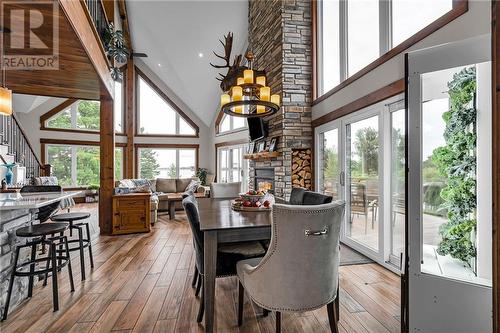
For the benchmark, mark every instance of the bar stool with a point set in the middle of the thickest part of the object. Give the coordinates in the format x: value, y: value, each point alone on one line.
x: 82, y: 242
x: 40, y: 233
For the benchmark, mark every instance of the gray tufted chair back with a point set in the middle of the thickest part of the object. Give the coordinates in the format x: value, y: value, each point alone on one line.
x: 300, y: 269
x: 225, y: 190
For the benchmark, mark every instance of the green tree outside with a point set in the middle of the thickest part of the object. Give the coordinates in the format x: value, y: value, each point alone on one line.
x: 149, y: 164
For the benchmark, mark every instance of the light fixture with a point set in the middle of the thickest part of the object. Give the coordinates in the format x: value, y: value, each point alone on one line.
x: 200, y: 55
x: 244, y: 90
x: 159, y: 65
x: 5, y: 94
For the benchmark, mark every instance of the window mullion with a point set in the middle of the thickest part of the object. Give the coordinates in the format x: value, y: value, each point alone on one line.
x: 177, y: 168
x: 385, y: 26
x: 343, y: 34
x: 73, y: 166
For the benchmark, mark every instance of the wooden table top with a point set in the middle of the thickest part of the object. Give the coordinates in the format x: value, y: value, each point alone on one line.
x: 217, y: 214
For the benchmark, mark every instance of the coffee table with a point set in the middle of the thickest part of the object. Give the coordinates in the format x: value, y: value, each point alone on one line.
x: 177, y: 197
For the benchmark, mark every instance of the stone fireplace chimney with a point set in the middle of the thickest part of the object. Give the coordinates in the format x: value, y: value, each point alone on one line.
x: 280, y: 35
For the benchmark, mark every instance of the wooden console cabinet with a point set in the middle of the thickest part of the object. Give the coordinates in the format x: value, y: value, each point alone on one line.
x: 131, y: 213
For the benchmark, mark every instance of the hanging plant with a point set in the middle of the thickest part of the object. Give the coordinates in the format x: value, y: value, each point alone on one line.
x: 116, y: 49
x: 457, y: 162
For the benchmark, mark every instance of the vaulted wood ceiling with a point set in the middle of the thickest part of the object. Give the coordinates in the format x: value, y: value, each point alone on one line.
x: 77, y: 76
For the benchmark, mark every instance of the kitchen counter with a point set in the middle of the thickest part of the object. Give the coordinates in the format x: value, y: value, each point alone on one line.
x: 10, y: 201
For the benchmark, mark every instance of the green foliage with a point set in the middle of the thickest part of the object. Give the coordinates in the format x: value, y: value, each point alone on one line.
x: 60, y: 160
x: 116, y: 49
x: 88, y: 115
x: 118, y: 163
x: 331, y: 161
x: 457, y: 162
x: 172, y: 171
x: 201, y: 173
x: 366, y: 147
x: 149, y: 164
x: 61, y: 120
x: 87, y: 166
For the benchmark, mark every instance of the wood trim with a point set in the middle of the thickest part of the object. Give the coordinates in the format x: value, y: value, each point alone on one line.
x: 55, y: 110
x: 460, y: 7
x: 77, y: 142
x: 220, y: 115
x: 168, y: 100
x: 129, y: 119
x: 226, y: 144
x: 109, y: 9
x: 381, y: 94
x: 122, y: 8
x: 78, y: 16
x: 137, y: 146
x: 166, y: 136
x: 69, y: 130
x: 314, y: 29
x: 495, y: 36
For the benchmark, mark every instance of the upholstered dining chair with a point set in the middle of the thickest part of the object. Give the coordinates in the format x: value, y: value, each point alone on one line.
x: 225, y: 190
x: 302, y: 196
x: 227, y: 254
x: 300, y: 269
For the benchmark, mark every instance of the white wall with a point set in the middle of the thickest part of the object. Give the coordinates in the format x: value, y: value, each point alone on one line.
x: 473, y: 23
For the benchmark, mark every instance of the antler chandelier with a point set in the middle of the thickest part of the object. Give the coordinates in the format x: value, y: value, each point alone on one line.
x: 245, y: 93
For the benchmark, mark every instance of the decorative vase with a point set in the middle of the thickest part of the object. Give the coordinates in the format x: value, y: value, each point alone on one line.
x: 9, y: 175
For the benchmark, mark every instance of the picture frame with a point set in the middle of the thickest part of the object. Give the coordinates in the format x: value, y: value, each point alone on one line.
x: 251, y: 148
x: 261, y: 146
x: 273, y: 144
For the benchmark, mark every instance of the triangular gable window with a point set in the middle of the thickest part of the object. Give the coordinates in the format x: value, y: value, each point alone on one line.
x: 158, y: 115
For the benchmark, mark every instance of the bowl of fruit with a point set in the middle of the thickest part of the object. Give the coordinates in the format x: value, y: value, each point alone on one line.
x: 252, y: 200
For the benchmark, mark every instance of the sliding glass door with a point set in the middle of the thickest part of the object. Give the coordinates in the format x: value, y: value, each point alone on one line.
x: 360, y: 158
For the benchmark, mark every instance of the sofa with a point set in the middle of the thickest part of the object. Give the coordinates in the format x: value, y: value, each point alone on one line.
x: 159, y: 188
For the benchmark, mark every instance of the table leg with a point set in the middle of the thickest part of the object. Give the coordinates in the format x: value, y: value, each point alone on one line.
x: 210, y: 264
x: 171, y: 209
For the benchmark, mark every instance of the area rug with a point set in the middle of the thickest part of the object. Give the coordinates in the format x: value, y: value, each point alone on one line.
x: 349, y: 256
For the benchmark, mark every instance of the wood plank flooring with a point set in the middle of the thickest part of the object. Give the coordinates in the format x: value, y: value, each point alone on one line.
x: 142, y: 283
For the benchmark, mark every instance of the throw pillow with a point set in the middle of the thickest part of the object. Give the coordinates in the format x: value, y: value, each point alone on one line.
x: 193, y: 186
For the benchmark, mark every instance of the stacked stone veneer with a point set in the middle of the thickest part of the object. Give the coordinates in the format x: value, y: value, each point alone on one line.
x: 10, y: 221
x: 281, y: 39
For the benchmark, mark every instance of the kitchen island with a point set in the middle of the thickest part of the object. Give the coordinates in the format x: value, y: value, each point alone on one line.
x: 18, y: 210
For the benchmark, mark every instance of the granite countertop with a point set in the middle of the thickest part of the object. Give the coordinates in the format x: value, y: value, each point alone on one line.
x: 10, y: 201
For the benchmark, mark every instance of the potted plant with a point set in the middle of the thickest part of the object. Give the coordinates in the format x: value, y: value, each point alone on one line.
x: 202, y: 175
x: 116, y: 49
x: 92, y: 189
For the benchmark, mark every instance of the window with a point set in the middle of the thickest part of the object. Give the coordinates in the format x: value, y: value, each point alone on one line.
x: 118, y: 108
x: 157, y: 115
x: 81, y: 115
x: 229, y: 123
x: 167, y: 162
x: 231, y: 166
x: 354, y: 33
x: 79, y: 165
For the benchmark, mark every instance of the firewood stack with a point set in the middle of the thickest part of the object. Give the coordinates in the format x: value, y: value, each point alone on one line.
x: 301, y: 168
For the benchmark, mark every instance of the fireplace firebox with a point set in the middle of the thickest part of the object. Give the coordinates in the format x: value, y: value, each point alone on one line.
x: 264, y: 179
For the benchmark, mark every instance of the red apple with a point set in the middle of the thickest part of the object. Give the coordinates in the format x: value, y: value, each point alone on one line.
x: 267, y: 203
x: 258, y: 204
x: 247, y: 203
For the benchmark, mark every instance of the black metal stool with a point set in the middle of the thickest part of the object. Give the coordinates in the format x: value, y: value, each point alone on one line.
x: 40, y: 233
x: 82, y: 242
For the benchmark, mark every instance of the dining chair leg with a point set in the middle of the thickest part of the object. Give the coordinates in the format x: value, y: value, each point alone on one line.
x: 201, y: 309
x: 198, y: 287
x: 332, y: 317
x: 195, y: 277
x: 265, y: 312
x: 278, y: 322
x: 241, y: 295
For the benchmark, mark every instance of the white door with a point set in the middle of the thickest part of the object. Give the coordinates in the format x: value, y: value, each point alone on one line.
x: 330, y: 176
x: 449, y: 188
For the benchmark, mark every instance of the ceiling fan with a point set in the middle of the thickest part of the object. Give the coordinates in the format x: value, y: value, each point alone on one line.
x: 138, y: 55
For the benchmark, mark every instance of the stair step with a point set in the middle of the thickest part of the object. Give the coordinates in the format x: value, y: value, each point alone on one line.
x: 4, y: 149
x: 9, y: 158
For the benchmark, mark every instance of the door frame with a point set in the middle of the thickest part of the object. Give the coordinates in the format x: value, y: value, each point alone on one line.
x: 419, y: 62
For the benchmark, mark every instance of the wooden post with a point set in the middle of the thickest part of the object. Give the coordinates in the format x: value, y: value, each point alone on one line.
x: 129, y: 119
x: 107, y: 145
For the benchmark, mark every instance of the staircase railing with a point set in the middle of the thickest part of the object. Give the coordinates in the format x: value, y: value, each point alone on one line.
x: 12, y: 135
x: 98, y: 15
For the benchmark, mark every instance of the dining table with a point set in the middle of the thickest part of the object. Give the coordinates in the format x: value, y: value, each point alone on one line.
x: 221, y: 224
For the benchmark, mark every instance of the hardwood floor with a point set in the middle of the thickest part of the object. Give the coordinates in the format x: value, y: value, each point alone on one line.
x: 142, y: 283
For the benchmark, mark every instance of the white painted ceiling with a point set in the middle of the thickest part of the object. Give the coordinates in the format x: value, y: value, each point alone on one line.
x: 174, y: 33
x: 27, y: 103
